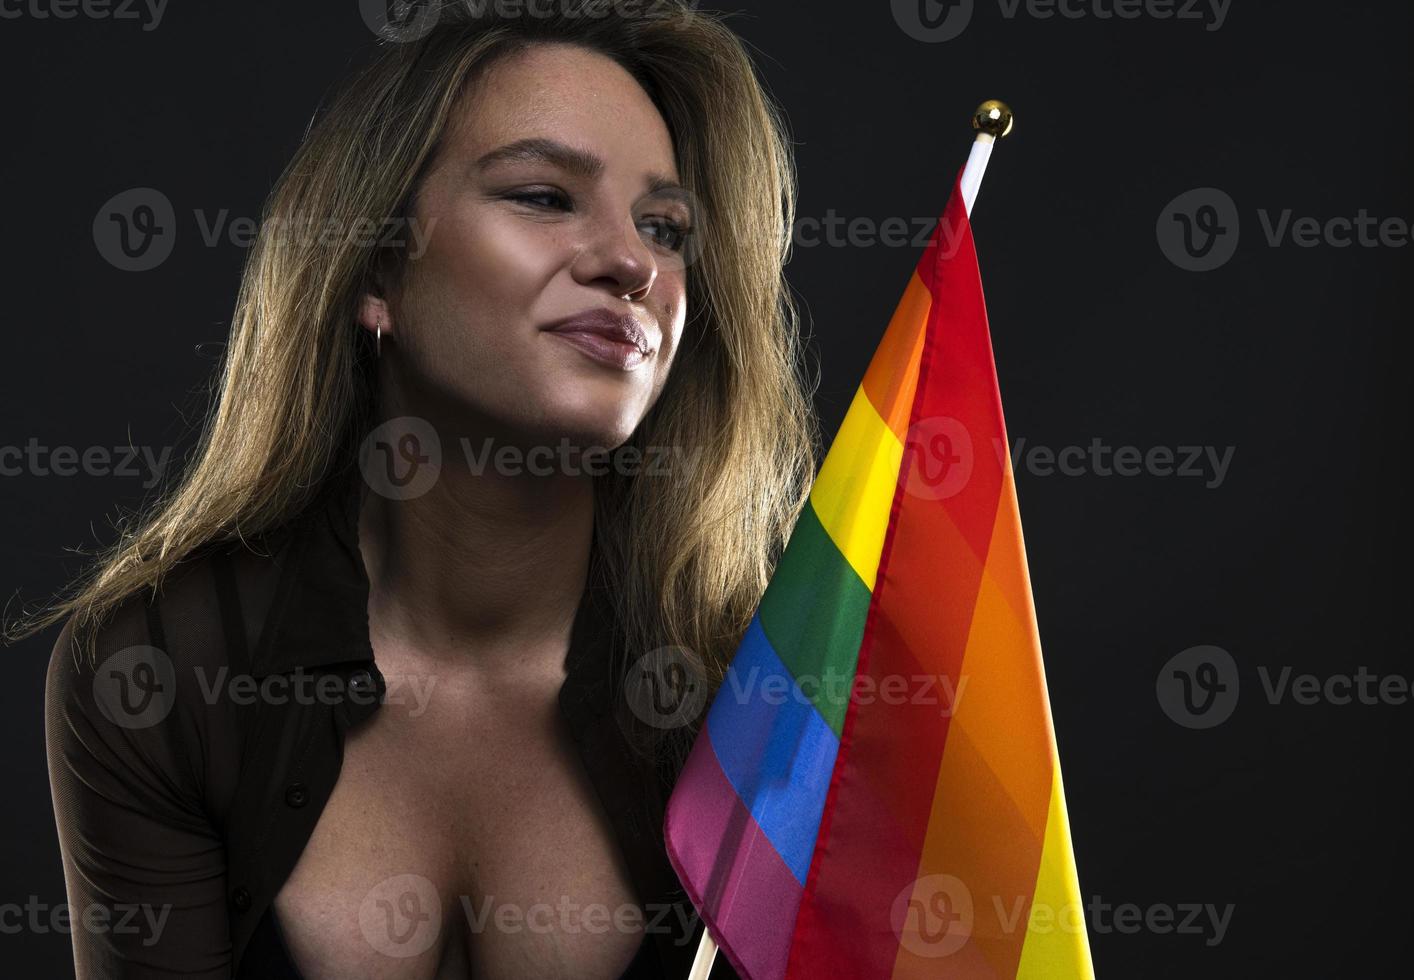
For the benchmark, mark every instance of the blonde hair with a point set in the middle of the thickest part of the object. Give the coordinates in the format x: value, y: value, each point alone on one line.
x: 687, y: 559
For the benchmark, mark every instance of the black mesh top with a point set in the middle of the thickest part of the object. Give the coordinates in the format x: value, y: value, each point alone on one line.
x: 172, y: 803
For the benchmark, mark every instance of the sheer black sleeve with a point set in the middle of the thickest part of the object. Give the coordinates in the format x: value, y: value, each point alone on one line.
x: 143, y: 864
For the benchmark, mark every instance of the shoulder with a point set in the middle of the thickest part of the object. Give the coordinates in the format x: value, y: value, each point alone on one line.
x: 147, y: 699
x: 206, y: 605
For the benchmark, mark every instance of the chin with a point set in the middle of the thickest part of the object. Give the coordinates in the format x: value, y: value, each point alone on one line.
x: 593, y: 419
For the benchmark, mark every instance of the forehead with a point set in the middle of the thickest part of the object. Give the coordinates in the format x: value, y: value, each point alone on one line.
x: 570, y: 94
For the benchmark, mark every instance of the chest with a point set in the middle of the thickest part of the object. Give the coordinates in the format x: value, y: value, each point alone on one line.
x: 462, y: 838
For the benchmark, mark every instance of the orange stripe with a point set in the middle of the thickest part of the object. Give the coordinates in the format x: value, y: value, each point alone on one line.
x: 892, y: 378
x: 993, y: 788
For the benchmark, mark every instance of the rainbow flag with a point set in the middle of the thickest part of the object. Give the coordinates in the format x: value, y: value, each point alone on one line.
x: 876, y: 791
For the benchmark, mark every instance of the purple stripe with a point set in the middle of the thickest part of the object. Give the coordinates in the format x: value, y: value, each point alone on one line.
x: 735, y: 878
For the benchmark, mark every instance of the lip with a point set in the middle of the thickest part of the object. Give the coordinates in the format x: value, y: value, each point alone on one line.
x: 611, y: 338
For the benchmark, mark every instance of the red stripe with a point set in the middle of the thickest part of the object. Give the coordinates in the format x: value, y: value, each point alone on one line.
x: 880, y: 798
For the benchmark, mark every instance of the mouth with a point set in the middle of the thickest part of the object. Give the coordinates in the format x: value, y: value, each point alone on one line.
x: 612, y: 339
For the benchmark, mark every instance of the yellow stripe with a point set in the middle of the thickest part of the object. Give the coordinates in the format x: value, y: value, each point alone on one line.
x: 1056, y: 944
x: 854, y: 492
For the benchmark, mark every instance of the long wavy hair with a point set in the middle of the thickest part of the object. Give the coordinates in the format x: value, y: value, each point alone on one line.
x: 686, y: 559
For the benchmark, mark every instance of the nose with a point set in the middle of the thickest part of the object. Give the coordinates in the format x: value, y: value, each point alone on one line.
x: 613, y: 257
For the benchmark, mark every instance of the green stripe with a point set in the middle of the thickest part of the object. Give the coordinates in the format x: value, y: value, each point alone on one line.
x: 813, y: 613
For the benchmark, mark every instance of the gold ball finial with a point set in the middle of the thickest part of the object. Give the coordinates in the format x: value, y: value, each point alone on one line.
x: 993, y: 118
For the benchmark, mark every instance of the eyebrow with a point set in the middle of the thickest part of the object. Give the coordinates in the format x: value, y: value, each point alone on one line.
x: 580, y: 163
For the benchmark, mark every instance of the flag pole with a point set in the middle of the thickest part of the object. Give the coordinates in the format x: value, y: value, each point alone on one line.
x: 706, y: 953
x: 992, y: 121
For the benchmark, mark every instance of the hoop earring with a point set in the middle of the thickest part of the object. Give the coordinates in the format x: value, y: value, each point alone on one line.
x: 378, y: 347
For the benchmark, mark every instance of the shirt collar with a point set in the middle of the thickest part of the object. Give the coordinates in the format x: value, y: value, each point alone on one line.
x: 320, y: 611
x: 320, y: 616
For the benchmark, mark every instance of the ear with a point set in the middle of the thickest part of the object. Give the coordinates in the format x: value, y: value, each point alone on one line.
x: 373, y: 312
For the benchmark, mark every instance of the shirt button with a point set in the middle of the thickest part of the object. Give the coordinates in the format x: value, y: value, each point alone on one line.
x: 361, y: 681
x: 295, y: 795
x: 240, y: 898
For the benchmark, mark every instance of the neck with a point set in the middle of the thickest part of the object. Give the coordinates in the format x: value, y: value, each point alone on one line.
x: 488, y: 565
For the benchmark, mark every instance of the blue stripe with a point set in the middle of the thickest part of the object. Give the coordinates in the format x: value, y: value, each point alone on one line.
x: 774, y: 747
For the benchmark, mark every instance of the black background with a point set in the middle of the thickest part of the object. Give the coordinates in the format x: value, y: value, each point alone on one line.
x: 1286, y: 811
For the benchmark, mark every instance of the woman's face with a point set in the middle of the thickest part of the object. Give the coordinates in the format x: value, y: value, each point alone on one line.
x: 555, y: 195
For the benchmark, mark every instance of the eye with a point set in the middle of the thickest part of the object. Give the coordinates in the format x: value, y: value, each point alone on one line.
x: 548, y: 198
x: 671, y: 234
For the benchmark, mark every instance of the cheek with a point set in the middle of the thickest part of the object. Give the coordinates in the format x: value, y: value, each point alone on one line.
x: 490, y: 272
x: 672, y: 311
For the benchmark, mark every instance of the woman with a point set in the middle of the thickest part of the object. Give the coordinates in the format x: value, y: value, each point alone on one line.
x: 364, y: 693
